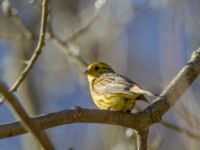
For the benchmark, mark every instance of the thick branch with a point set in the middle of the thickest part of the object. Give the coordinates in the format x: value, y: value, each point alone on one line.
x: 26, y: 121
x: 77, y: 115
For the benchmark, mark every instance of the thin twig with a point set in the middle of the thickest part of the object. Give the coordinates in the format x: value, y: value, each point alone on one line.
x: 39, y: 135
x: 41, y: 42
x: 38, y: 50
x: 25, y: 120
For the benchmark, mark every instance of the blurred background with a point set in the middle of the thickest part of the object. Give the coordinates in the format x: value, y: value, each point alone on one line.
x: 147, y: 40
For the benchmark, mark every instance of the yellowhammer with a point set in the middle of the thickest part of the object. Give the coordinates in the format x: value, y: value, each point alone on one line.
x: 112, y: 91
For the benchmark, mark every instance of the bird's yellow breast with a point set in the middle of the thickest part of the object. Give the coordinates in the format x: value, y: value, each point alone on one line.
x: 116, y: 102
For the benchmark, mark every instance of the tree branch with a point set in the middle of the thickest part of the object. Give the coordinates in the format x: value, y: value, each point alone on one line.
x: 76, y: 115
x: 26, y: 121
x: 41, y: 42
x: 175, y: 89
x: 38, y: 50
x: 15, y: 104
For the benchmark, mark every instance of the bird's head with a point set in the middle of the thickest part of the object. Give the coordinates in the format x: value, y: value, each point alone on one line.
x: 96, y: 69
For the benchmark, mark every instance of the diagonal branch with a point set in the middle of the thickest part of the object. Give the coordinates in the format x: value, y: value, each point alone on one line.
x: 15, y: 104
x: 26, y: 121
x: 38, y: 50
x: 175, y: 89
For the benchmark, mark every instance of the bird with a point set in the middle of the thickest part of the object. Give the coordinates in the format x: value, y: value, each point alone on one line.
x: 112, y: 91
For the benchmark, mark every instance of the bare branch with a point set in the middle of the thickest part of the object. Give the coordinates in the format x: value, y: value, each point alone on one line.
x: 15, y: 104
x: 76, y: 115
x: 38, y: 50
x: 26, y: 121
x: 175, y: 89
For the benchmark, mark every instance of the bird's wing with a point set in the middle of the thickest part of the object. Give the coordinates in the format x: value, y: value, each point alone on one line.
x: 112, y: 83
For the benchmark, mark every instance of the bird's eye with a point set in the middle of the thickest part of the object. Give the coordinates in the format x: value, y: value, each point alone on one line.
x: 96, y: 68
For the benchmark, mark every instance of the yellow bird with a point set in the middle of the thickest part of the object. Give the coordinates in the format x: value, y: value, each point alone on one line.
x: 112, y: 91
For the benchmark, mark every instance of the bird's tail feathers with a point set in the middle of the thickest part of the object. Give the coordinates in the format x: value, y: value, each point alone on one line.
x: 137, y: 89
x: 149, y: 93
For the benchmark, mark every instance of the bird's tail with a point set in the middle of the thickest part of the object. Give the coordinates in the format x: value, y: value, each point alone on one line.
x: 137, y: 89
x: 150, y: 93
